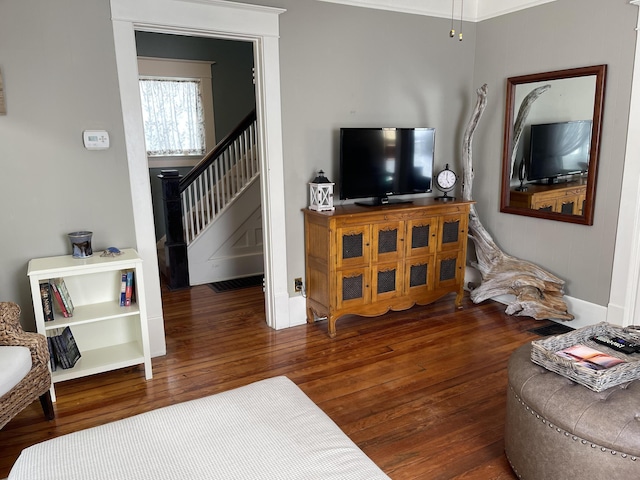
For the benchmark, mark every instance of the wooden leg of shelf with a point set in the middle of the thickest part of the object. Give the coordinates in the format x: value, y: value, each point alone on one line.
x: 310, y: 316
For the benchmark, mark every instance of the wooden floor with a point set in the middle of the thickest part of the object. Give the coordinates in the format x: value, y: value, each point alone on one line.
x: 422, y: 392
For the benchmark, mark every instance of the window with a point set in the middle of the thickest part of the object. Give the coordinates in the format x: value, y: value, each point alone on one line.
x: 173, y: 116
x: 177, y: 110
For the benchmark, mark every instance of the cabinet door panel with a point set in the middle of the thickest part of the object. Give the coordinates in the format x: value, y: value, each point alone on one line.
x: 386, y: 281
x: 567, y: 206
x: 452, y: 232
x: 353, y: 287
x: 421, y: 237
x: 449, y: 269
x: 387, y: 242
x: 353, y: 246
x: 419, y: 274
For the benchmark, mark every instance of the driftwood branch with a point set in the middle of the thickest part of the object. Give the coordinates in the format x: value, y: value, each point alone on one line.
x: 538, y: 293
x: 518, y: 126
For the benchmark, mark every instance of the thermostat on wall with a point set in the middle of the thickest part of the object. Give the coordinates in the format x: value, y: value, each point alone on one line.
x: 95, y: 139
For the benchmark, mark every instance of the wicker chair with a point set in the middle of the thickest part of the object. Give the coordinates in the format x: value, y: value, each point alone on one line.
x: 37, y: 381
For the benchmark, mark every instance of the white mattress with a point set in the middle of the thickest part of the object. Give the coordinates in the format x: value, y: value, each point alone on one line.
x: 267, y: 430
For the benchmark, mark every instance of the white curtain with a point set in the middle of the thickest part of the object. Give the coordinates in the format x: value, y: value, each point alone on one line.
x: 173, y: 117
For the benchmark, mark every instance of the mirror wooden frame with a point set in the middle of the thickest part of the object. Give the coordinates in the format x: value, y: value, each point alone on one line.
x: 599, y: 71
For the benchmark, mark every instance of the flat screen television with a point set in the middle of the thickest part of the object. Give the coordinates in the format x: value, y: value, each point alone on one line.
x: 378, y: 163
x: 559, y: 149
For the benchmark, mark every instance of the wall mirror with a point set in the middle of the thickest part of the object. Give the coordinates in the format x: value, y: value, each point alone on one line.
x: 553, y: 122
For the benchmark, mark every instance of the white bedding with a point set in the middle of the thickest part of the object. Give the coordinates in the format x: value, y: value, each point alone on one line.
x: 266, y: 430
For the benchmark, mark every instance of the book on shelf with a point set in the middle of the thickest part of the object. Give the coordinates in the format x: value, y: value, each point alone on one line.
x: 47, y: 301
x: 123, y: 288
x: 61, y: 294
x: 129, y: 289
x: 58, y: 300
x: 52, y: 354
x: 63, y: 348
x: 64, y: 293
x: 590, y: 357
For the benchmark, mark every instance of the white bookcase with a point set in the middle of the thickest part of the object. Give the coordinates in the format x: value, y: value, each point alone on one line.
x: 109, y: 336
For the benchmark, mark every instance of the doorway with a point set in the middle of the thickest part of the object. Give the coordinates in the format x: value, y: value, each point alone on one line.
x: 228, y: 20
x: 226, y: 243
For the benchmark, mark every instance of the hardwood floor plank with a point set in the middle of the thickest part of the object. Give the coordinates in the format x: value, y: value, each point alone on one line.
x: 421, y: 391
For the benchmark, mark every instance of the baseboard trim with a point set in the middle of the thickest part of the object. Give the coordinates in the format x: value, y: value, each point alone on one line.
x: 585, y: 313
x: 297, y: 310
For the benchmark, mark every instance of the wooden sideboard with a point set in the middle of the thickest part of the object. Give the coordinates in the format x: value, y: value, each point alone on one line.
x: 567, y: 198
x: 369, y: 260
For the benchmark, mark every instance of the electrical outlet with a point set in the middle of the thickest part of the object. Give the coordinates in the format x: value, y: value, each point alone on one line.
x: 297, y: 284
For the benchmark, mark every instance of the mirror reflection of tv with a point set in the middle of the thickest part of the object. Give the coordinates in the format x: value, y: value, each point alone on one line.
x: 559, y: 150
x: 378, y: 163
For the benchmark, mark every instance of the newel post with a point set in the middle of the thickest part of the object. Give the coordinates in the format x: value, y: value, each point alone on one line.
x: 175, y: 247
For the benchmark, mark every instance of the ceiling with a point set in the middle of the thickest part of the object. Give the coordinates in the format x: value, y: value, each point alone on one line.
x: 473, y: 11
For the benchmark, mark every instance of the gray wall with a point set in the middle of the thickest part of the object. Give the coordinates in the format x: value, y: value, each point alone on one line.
x: 557, y: 35
x: 341, y: 66
x: 348, y: 66
x: 58, y: 65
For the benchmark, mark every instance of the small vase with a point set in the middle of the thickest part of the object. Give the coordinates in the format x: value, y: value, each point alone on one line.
x: 81, y: 244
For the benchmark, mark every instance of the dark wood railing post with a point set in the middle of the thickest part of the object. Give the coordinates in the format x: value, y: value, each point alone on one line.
x: 175, y: 247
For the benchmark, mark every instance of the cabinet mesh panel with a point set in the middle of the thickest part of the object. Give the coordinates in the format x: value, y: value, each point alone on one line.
x: 386, y: 281
x: 387, y: 241
x: 448, y: 269
x: 450, y: 232
x: 420, y: 236
x: 546, y: 209
x: 567, y: 208
x: 352, y: 246
x: 418, y: 275
x: 351, y: 287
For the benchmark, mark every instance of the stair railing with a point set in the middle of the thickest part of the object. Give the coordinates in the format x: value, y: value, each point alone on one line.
x: 193, y: 202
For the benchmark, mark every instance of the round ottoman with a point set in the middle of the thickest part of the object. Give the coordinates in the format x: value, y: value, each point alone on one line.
x: 557, y: 429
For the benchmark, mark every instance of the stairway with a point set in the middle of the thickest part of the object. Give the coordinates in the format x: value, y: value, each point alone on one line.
x: 219, y: 222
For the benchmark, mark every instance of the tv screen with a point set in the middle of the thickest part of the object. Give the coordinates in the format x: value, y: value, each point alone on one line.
x: 559, y: 149
x: 381, y: 162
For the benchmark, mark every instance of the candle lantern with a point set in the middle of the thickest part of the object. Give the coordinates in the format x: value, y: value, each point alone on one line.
x: 321, y: 193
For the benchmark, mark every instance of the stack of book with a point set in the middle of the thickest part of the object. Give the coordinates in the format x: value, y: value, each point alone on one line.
x: 54, y: 292
x: 63, y: 350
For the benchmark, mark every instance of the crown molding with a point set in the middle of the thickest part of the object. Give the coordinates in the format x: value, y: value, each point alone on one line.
x: 474, y: 10
x: 494, y: 8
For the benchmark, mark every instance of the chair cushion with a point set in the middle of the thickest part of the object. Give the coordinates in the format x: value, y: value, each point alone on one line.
x: 15, y: 363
